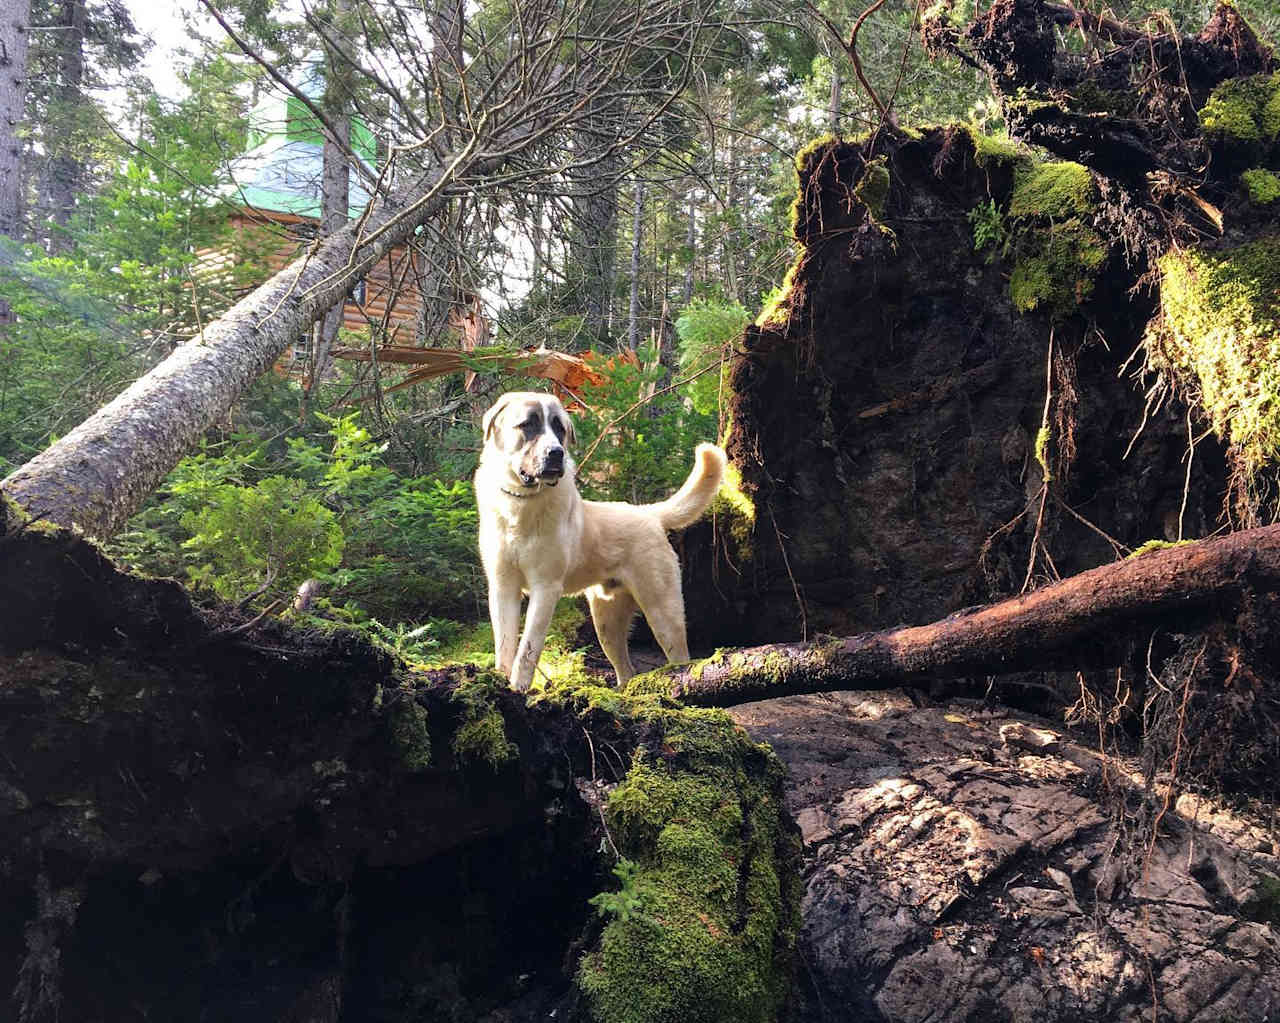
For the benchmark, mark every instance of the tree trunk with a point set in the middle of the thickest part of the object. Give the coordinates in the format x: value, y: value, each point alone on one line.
x: 833, y: 106
x: 438, y: 246
x: 1074, y: 623
x: 690, y: 240
x: 335, y: 179
x: 637, y: 224
x: 101, y: 472
x: 594, y: 233
x: 64, y: 171
x: 15, y: 37
x: 728, y: 239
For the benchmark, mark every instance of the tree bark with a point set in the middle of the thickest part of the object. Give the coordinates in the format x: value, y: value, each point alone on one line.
x: 1047, y: 628
x: 690, y: 241
x: 335, y: 186
x: 64, y: 170
x: 833, y: 104
x: 15, y: 39
x: 594, y: 231
x: 100, y: 473
x: 637, y: 225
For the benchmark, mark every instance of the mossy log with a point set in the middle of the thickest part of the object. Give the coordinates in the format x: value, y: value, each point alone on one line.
x: 1084, y: 621
x: 203, y: 820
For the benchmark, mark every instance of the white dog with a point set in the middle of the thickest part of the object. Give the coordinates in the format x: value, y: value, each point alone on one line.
x: 538, y: 536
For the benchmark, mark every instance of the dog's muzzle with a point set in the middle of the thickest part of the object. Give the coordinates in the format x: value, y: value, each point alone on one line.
x: 552, y: 466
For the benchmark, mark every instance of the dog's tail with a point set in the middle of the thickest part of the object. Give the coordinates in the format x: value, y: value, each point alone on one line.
x: 686, y: 505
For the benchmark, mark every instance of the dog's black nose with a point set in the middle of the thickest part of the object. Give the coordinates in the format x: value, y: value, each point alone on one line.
x: 555, y: 459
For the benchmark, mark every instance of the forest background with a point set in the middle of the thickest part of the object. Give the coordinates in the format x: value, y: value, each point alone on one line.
x: 651, y: 249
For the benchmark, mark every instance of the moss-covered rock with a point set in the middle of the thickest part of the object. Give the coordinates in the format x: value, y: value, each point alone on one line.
x: 1218, y: 339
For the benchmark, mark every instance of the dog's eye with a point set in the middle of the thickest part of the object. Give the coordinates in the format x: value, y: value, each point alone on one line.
x: 557, y: 427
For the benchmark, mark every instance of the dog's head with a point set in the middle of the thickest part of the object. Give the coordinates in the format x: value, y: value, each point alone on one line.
x: 531, y: 432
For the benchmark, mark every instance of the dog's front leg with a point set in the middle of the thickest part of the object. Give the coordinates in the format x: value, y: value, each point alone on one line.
x: 542, y: 604
x: 504, y: 613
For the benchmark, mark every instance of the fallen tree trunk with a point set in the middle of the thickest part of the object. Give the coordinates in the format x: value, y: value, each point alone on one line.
x: 100, y: 473
x: 1043, y: 629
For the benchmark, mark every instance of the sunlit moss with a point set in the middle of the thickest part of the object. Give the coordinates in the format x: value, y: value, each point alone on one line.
x: 482, y: 734
x: 734, y: 509
x: 778, y: 305
x: 1245, y: 109
x: 872, y: 188
x: 717, y: 885
x: 1057, y: 255
x: 994, y: 150
x: 1056, y: 267
x: 1262, y: 185
x: 1057, y: 189
x: 1157, y: 545
x: 1218, y: 337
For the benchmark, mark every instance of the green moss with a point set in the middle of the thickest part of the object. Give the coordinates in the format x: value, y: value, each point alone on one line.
x: 956, y: 14
x: 872, y: 188
x: 995, y: 150
x: 704, y: 926
x: 1264, y: 905
x: 409, y: 735
x: 482, y: 735
x: 715, y: 885
x: 1218, y: 338
x: 777, y: 306
x: 1056, y: 254
x: 1157, y: 545
x: 1042, y: 453
x: 1245, y: 109
x: 734, y: 508
x: 12, y: 517
x: 1055, y: 267
x: 1057, y: 189
x: 1262, y: 185
x: 806, y: 153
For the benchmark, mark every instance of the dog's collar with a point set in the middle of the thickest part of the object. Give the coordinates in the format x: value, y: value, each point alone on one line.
x: 536, y: 491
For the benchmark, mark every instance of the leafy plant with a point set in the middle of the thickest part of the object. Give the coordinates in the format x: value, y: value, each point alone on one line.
x: 988, y: 228
x: 625, y: 903
x: 273, y: 535
x: 705, y: 328
x: 652, y: 430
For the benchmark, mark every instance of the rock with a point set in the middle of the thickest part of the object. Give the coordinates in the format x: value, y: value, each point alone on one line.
x: 964, y: 863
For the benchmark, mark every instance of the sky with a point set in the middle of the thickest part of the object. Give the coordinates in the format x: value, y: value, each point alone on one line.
x: 162, y: 21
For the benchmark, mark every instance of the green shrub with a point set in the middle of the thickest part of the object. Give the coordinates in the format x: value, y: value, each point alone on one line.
x: 273, y: 535
x: 705, y: 328
x: 648, y: 451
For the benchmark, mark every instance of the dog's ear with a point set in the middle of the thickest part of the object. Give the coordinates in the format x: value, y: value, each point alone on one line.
x: 570, y: 434
x: 491, y: 419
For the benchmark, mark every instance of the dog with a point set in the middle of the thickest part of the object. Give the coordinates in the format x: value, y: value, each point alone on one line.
x: 538, y: 536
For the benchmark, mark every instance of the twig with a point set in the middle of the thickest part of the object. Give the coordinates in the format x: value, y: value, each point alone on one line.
x: 604, y: 431
x: 224, y: 633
